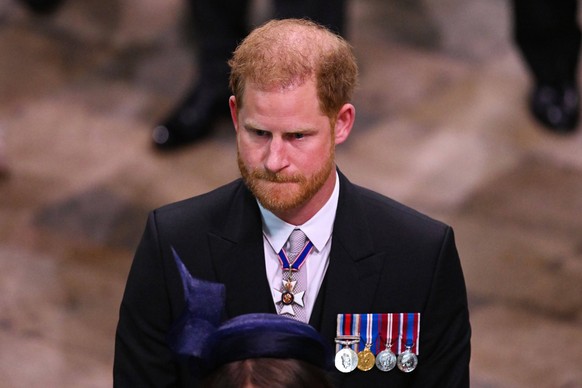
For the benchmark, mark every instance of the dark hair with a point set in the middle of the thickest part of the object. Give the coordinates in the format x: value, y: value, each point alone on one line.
x: 268, y: 373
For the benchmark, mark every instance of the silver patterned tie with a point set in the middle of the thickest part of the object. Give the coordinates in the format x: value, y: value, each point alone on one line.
x: 294, y: 283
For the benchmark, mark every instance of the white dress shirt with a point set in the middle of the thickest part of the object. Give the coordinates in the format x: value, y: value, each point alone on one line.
x: 318, y: 230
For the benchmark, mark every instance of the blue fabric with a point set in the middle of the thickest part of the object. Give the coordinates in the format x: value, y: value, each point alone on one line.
x: 202, y: 315
x: 266, y: 336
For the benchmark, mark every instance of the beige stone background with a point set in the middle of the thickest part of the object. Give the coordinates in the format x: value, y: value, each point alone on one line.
x: 442, y: 126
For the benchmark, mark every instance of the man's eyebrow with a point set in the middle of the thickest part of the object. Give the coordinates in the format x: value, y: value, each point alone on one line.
x: 302, y: 130
x: 252, y: 126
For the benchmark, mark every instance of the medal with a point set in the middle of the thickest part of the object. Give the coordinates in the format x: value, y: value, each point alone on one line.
x: 288, y: 296
x: 407, y: 361
x: 346, y: 360
x: 366, y: 358
x: 386, y: 359
x: 388, y: 340
x: 347, y: 335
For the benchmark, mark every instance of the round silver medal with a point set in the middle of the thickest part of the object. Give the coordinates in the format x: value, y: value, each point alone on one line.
x: 407, y: 361
x: 386, y: 360
x: 346, y: 360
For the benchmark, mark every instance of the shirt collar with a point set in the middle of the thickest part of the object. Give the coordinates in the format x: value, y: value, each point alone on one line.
x: 318, y: 228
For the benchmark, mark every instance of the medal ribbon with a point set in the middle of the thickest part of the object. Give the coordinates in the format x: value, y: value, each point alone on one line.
x: 363, y: 318
x: 370, y: 322
x: 410, y: 331
x: 397, y: 330
x: 409, y: 328
x: 348, y: 325
x: 387, y: 333
x: 299, y: 260
x: 357, y: 330
x: 369, y: 332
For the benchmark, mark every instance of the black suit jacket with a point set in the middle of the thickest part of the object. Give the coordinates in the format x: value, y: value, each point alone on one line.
x: 384, y: 258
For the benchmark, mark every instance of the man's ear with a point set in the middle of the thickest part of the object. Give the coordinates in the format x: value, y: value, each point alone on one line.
x: 233, y: 111
x: 344, y: 123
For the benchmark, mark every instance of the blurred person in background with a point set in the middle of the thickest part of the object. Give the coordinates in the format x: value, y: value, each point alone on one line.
x: 219, y: 26
x: 42, y: 7
x: 547, y: 35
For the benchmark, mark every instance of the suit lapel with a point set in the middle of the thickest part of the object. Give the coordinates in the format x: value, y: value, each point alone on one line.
x: 354, y: 270
x: 239, y: 259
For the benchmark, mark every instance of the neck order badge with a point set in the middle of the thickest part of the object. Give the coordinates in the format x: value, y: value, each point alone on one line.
x: 292, y: 292
x: 375, y: 339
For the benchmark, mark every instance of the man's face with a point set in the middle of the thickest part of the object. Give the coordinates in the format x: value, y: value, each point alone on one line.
x: 285, y: 146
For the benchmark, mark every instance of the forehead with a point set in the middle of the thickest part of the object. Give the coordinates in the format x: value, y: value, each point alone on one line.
x: 287, y: 109
x: 293, y: 98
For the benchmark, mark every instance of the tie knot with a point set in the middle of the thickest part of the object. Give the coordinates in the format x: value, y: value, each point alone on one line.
x: 296, y: 242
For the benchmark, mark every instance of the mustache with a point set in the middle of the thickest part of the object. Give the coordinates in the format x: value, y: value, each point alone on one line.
x: 275, y: 177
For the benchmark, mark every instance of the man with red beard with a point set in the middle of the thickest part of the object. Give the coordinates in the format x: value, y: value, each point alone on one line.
x: 391, y: 272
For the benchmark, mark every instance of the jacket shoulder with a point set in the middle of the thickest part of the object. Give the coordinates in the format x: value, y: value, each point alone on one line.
x: 381, y: 209
x: 204, y: 207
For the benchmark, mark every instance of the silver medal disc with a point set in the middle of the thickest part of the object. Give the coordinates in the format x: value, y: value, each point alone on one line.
x: 407, y: 361
x: 346, y: 360
x: 386, y: 360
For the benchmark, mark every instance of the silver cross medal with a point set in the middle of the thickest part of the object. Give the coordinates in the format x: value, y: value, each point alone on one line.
x: 288, y: 298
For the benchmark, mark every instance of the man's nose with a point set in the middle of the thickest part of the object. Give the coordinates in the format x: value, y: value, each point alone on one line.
x: 277, y: 157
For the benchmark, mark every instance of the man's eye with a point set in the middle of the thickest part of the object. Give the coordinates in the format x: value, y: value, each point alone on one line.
x: 260, y: 132
x: 298, y: 135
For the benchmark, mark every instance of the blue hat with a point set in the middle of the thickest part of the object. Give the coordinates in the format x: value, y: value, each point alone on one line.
x: 265, y: 336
